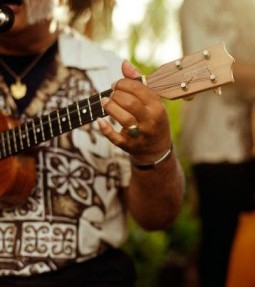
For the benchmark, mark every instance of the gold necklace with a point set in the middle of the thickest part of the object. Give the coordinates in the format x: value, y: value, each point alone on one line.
x: 19, y: 89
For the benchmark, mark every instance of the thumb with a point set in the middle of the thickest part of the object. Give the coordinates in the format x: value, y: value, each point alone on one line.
x: 129, y: 71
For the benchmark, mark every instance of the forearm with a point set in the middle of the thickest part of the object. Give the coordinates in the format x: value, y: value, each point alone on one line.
x: 155, y: 196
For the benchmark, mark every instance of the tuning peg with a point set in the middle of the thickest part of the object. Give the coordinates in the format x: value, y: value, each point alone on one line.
x: 184, y: 86
x: 178, y: 64
x: 218, y: 91
x: 206, y: 54
x: 213, y: 78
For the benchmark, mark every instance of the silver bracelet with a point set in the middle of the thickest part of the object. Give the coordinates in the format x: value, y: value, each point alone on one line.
x: 153, y: 164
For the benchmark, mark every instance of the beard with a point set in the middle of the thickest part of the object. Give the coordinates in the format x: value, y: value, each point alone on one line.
x: 39, y: 10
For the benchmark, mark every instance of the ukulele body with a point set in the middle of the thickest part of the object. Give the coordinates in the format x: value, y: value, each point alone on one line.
x: 17, y: 173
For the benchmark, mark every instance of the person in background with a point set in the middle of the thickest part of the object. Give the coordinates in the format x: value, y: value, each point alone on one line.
x: 69, y: 227
x: 218, y: 131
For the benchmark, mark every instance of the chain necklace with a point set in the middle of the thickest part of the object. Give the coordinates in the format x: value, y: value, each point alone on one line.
x: 19, y: 89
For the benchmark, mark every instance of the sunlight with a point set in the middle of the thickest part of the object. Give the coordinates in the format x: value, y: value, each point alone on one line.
x: 131, y: 12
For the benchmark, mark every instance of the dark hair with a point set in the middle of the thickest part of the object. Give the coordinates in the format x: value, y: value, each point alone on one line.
x: 78, y: 6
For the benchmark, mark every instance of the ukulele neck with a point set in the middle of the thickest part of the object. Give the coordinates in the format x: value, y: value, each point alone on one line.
x: 46, y: 127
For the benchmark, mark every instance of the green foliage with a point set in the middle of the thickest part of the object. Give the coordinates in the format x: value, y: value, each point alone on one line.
x: 183, y: 237
x: 149, y: 252
x: 153, y: 251
x: 150, y: 30
x: 174, y: 113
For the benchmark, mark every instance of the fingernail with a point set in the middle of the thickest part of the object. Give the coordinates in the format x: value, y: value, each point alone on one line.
x: 126, y: 62
x: 101, y: 123
x: 132, y: 68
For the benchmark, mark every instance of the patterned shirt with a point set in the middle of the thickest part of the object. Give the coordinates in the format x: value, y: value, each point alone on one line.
x: 75, y: 211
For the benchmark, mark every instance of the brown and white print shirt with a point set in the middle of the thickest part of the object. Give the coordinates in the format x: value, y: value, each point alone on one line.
x: 75, y: 209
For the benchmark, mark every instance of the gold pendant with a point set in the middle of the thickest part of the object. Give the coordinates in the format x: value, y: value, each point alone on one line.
x: 18, y: 90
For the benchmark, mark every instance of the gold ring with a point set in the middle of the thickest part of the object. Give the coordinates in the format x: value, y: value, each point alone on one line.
x: 133, y: 131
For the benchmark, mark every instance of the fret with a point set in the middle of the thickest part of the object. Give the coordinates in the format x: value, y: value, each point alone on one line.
x: 14, y: 140
x: 79, y: 112
x: 42, y: 129
x: 64, y: 120
x: 90, y: 111
x: 38, y: 129
x: 59, y: 123
x: 46, y: 127
x: 96, y: 107
x: 56, y: 128
x: 84, y: 112
x: 20, y: 138
x: 34, y: 131
x: 27, y: 135
x: 68, y: 117
x: 51, y: 131
x: 102, y: 109
x: 31, y: 132
x: 74, y: 114
x: 8, y: 142
x: 3, y: 144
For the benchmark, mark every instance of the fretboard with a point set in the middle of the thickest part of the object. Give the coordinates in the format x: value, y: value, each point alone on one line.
x: 45, y: 127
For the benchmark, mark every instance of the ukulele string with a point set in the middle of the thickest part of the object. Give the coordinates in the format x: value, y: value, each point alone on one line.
x: 96, y: 111
x: 167, y: 74
x: 75, y: 122
x: 175, y: 71
x: 163, y: 87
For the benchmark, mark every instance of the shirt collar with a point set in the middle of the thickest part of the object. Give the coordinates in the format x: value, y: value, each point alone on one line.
x: 80, y: 52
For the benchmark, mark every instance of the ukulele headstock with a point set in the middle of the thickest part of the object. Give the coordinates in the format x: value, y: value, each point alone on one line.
x: 200, y: 71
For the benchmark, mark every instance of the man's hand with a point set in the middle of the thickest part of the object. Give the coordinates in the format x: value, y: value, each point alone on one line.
x: 133, y: 104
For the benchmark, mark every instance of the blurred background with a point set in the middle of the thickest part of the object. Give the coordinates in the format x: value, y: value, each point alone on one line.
x: 147, y: 33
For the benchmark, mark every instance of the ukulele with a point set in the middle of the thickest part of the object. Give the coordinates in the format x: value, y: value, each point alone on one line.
x: 203, y: 70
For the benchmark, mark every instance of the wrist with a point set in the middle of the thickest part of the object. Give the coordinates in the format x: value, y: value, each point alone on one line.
x: 153, y: 164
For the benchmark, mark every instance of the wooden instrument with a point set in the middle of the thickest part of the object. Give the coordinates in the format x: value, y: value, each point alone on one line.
x: 207, y: 69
